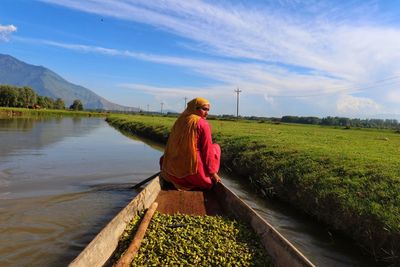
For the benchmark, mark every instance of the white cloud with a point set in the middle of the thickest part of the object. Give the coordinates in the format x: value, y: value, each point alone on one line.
x: 261, y: 78
x: 268, y: 99
x: 275, y: 83
x: 393, y: 96
x: 329, y: 42
x: 291, y: 48
x: 316, y: 42
x: 351, y: 106
x: 6, y: 31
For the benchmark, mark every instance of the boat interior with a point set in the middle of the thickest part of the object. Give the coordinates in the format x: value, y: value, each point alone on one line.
x: 172, y: 201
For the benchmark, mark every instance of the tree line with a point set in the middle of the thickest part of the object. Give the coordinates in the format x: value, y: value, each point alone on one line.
x: 329, y: 121
x: 26, y: 97
x: 343, y: 121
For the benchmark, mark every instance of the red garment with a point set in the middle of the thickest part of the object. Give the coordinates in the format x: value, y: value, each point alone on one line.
x: 208, y: 161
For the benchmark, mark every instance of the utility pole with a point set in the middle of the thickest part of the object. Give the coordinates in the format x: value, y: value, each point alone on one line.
x: 184, y: 107
x: 147, y: 108
x: 237, y: 91
x: 162, y: 104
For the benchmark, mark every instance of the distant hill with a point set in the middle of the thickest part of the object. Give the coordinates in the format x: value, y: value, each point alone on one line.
x: 47, y: 83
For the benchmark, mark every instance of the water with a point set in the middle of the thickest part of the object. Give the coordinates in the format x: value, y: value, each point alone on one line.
x: 61, y: 181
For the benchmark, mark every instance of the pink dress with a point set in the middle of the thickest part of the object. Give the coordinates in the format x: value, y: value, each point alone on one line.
x: 208, y: 161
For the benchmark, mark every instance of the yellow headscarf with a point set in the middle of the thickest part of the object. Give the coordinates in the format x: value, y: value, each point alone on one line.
x: 180, y: 156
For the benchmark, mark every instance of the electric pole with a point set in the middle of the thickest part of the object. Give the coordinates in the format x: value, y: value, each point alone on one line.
x: 162, y: 104
x: 237, y: 91
x: 147, y: 108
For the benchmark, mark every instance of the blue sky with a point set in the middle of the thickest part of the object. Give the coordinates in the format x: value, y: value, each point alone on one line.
x: 289, y: 57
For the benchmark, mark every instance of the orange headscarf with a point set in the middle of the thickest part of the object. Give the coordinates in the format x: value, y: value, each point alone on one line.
x: 180, y: 156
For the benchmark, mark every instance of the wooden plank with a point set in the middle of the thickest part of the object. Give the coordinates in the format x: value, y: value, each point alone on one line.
x: 183, y: 202
x: 133, y: 248
x: 187, y: 202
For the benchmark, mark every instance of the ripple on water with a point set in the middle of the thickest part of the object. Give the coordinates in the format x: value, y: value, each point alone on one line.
x: 42, y: 228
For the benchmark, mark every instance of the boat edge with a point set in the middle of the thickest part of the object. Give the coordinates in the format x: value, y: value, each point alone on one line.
x: 282, y: 252
x: 106, y: 241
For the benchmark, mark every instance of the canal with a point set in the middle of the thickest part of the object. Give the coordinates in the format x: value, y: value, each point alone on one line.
x: 63, y: 179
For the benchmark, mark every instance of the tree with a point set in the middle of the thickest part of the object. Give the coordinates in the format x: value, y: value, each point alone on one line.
x: 27, y: 97
x: 59, y: 104
x: 8, y: 96
x: 76, y: 105
x: 45, y: 102
x: 14, y: 96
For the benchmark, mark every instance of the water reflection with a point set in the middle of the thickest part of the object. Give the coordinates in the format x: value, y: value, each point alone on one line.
x: 149, y: 142
x: 28, y: 133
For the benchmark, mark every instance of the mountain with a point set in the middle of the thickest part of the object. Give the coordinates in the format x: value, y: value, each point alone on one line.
x: 48, y: 83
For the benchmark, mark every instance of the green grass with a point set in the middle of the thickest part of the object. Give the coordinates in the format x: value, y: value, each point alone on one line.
x: 25, y: 112
x: 346, y: 178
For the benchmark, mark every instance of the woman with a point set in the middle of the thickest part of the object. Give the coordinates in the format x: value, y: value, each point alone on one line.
x: 191, y: 160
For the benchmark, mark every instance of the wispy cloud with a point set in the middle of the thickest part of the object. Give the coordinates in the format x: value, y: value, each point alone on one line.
x: 258, y: 77
x: 6, y: 31
x: 291, y: 48
x: 336, y: 47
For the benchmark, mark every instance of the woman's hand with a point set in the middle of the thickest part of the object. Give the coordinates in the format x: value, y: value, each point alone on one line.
x: 215, y: 177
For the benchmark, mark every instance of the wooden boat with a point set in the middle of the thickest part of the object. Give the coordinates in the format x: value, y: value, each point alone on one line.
x: 219, y: 200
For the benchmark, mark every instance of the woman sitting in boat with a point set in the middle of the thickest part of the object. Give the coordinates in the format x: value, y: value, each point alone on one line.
x: 191, y: 161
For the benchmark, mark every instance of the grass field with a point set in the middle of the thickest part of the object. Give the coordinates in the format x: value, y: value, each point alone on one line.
x: 347, y: 178
x: 25, y: 112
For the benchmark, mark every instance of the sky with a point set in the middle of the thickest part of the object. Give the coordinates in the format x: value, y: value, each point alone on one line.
x: 287, y: 57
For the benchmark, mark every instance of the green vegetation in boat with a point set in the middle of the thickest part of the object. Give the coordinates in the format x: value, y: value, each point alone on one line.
x: 187, y: 240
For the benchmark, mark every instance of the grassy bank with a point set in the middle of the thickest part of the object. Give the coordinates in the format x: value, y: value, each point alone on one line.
x: 346, y: 178
x: 25, y: 112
